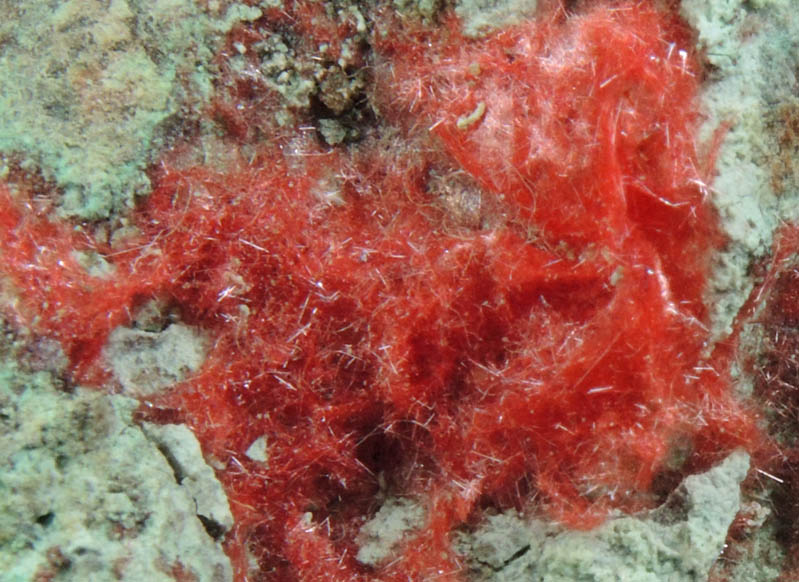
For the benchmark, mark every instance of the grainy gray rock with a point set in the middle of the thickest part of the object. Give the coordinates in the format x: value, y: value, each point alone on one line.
x: 753, y: 49
x: 145, y: 362
x: 380, y: 537
x: 182, y: 451
x: 92, y: 87
x: 677, y: 543
x: 86, y: 495
x: 480, y: 17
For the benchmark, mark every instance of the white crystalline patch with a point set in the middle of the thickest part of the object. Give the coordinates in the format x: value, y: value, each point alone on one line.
x: 257, y: 450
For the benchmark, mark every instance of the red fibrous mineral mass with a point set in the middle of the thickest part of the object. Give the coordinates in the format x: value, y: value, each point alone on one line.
x: 494, y: 301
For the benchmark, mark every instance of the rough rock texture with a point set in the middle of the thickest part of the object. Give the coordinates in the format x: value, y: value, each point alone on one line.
x: 481, y: 16
x: 147, y: 361
x: 85, y: 494
x: 91, y: 87
x: 751, y: 50
x: 676, y: 543
x: 381, y: 535
x: 182, y: 451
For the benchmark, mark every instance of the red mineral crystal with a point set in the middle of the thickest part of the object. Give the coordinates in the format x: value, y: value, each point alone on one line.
x: 498, y: 304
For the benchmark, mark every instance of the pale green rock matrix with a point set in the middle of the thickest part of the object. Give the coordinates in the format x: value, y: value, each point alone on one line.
x: 86, y: 494
x: 92, y: 90
x: 380, y: 536
x: 752, y: 48
x: 676, y: 543
x: 483, y: 16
